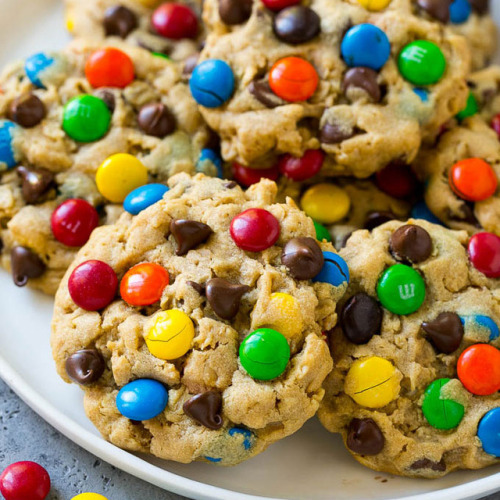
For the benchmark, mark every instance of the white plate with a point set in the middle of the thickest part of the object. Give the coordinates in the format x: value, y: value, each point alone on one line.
x: 310, y: 465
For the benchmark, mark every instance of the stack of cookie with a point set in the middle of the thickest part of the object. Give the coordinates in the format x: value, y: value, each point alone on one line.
x: 299, y: 214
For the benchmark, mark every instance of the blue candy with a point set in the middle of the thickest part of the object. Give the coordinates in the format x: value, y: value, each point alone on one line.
x: 7, y: 156
x: 488, y: 432
x: 143, y: 197
x: 421, y: 211
x: 460, y: 11
x: 229, y: 445
x: 142, y: 399
x: 335, y: 270
x: 422, y: 93
x: 35, y: 65
x: 365, y: 45
x: 210, y: 163
x: 247, y: 435
x: 480, y: 322
x: 212, y: 83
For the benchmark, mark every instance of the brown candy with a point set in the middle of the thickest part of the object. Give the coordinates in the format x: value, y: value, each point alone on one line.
x: 36, y: 182
x: 261, y: 90
x: 425, y: 463
x: 25, y: 265
x: 411, y: 243
x: 364, y: 79
x: 375, y: 219
x: 296, y: 24
x: 480, y: 6
x: 108, y: 97
x: 445, y: 332
x: 333, y: 134
x: 119, y: 21
x: 361, y: 318
x: 189, y: 234
x: 438, y: 9
x: 225, y: 297
x: 364, y: 437
x: 234, y: 12
x: 156, y: 120
x: 85, y: 367
x: 205, y: 408
x: 303, y: 257
x: 27, y: 110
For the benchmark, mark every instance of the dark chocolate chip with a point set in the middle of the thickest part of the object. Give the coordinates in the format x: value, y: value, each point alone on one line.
x: 425, y: 463
x: 197, y: 286
x: 213, y: 141
x: 375, y: 219
x: 27, y: 110
x: 190, y: 63
x: 156, y: 120
x: 234, y: 12
x: 361, y: 318
x: 119, y: 21
x: 411, y: 243
x: 189, y: 234
x: 108, y: 97
x: 261, y: 90
x: 225, y: 297
x: 333, y: 134
x: 36, y: 182
x: 365, y: 437
x: 25, y: 265
x: 296, y: 24
x: 230, y: 185
x: 445, y: 332
x: 303, y: 258
x: 205, y: 408
x: 364, y: 79
x: 438, y: 9
x: 480, y: 6
x: 85, y: 367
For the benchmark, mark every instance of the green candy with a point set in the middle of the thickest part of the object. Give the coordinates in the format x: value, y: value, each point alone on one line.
x: 422, y: 63
x: 322, y: 232
x: 401, y: 289
x: 160, y: 54
x: 441, y: 413
x: 265, y: 354
x: 86, y: 118
x: 471, y: 108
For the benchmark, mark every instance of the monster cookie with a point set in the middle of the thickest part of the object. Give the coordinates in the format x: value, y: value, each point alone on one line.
x: 485, y: 89
x: 414, y: 389
x: 195, y: 328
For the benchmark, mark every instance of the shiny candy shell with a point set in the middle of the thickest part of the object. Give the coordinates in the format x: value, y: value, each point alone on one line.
x: 488, y: 434
x: 326, y: 203
x: 255, y: 230
x: 175, y: 21
x: 143, y: 197
x: 143, y: 284
x: 7, y: 154
x: 300, y: 169
x: 473, y: 179
x: 283, y: 314
x: 478, y: 369
x: 246, y: 176
x: 471, y: 108
x: 422, y: 63
x: 24, y: 481
x: 335, y: 270
x: 460, y: 11
x: 212, y: 83
x: 481, y: 323
x: 279, y: 4
x: 397, y: 179
x: 36, y: 65
x: 109, y: 67
x: 142, y: 399
x: 484, y: 253
x: 89, y: 496
x: 322, y: 232
x: 441, y: 413
x: 293, y: 79
x: 374, y: 5
x: 210, y: 163
x: 421, y: 211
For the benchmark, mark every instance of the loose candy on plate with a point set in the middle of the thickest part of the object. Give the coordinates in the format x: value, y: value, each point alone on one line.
x: 24, y: 481
x: 89, y: 496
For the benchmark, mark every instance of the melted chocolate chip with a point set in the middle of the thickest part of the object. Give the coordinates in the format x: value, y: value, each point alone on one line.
x: 190, y: 63
x: 261, y: 90
x: 27, y: 110
x: 375, y: 219
x: 119, y: 21
x: 333, y: 134
x: 225, y: 297
x: 480, y: 6
x: 156, y: 120
x: 205, y: 408
x: 364, y: 79
x: 365, y: 437
x: 36, y: 182
x: 361, y: 318
x: 296, y: 24
x: 234, y: 12
x: 189, y: 234
x: 411, y: 243
x: 425, y: 463
x: 445, y: 332
x: 303, y: 258
x: 197, y: 286
x: 108, y: 97
x: 85, y: 367
x: 438, y: 9
x: 25, y: 265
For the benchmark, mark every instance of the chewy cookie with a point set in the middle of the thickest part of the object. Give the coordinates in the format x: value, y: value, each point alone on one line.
x: 414, y: 389
x: 211, y: 347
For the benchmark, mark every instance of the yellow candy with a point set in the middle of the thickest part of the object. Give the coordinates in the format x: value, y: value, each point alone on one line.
x: 89, y: 496
x: 372, y: 382
x: 171, y: 335
x: 70, y: 24
x: 282, y: 313
x: 374, y: 4
x: 149, y: 3
x: 119, y: 175
x: 326, y: 203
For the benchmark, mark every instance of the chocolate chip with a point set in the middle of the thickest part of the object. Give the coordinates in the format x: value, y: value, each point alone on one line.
x: 205, y: 408
x: 345, y: 239
x: 225, y: 297
x: 425, y: 463
x: 119, y: 21
x: 364, y: 79
x: 108, y: 97
x: 230, y: 185
x: 156, y: 120
x: 365, y: 437
x: 333, y: 134
x: 480, y: 6
x: 190, y: 63
x: 411, y: 243
x: 25, y: 265
x: 85, y: 367
x: 27, y: 110
x: 261, y: 90
x: 188, y: 234
x: 303, y: 258
x: 467, y: 215
x: 361, y: 318
x: 438, y: 9
x: 445, y: 332
x: 234, y: 12
x: 197, y: 286
x: 375, y: 219
x: 296, y: 24
x: 36, y: 182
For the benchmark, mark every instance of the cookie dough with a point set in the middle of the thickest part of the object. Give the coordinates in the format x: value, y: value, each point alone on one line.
x: 485, y: 87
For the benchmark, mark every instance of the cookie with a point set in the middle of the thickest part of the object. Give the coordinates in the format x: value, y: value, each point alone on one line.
x: 414, y: 389
x: 485, y: 87
x: 222, y: 302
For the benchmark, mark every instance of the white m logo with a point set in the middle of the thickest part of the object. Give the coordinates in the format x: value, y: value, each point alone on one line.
x: 406, y: 291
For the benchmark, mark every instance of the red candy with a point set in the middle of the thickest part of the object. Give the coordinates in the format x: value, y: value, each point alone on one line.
x: 25, y: 481
x: 143, y: 285
x: 109, y: 67
x: 300, y: 169
x: 293, y: 79
x: 478, y: 369
x: 279, y: 4
x: 255, y: 230
x: 246, y: 176
x: 484, y: 253
x: 397, y: 179
x: 73, y: 222
x: 175, y: 21
x: 473, y: 179
x: 92, y: 285
x: 495, y: 124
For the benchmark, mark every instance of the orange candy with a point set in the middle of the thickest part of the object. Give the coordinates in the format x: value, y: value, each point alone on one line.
x: 109, y: 67
x: 479, y: 369
x: 293, y: 79
x: 143, y: 284
x: 473, y: 179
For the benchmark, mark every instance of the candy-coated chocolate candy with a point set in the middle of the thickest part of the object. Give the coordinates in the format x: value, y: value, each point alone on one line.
x: 365, y: 45
x: 488, y: 434
x: 24, y: 481
x: 422, y: 62
x: 473, y: 179
x: 246, y: 176
x: 93, y: 285
x: 264, y: 354
x: 326, y: 203
x: 119, y: 175
x: 171, y: 335
x: 322, y: 232
x: 143, y: 197
x: 255, y: 229
x: 460, y: 11
x: 279, y: 4
x: 212, y: 83
x: 471, y: 108
x: 143, y: 284
x: 495, y: 124
x: 109, y: 67
x: 35, y: 67
x: 85, y: 367
x: 233, y: 12
x: 149, y: 3
x: 7, y: 154
x: 25, y: 265
x: 372, y: 382
x: 484, y: 253
x: 119, y: 21
x: 421, y: 211
x: 89, y: 496
x: 296, y: 24
x: 397, y: 179
x: 142, y: 399
x: 441, y: 413
x: 401, y: 289
x: 422, y: 93
x: 482, y: 323
x: 175, y: 21
x: 86, y: 118
x: 210, y: 163
x: 73, y: 221
x: 374, y: 5
x: 300, y: 169
x: 293, y: 79
x: 478, y: 369
x: 283, y: 314
x: 240, y: 438
x: 361, y: 318
x: 335, y: 270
